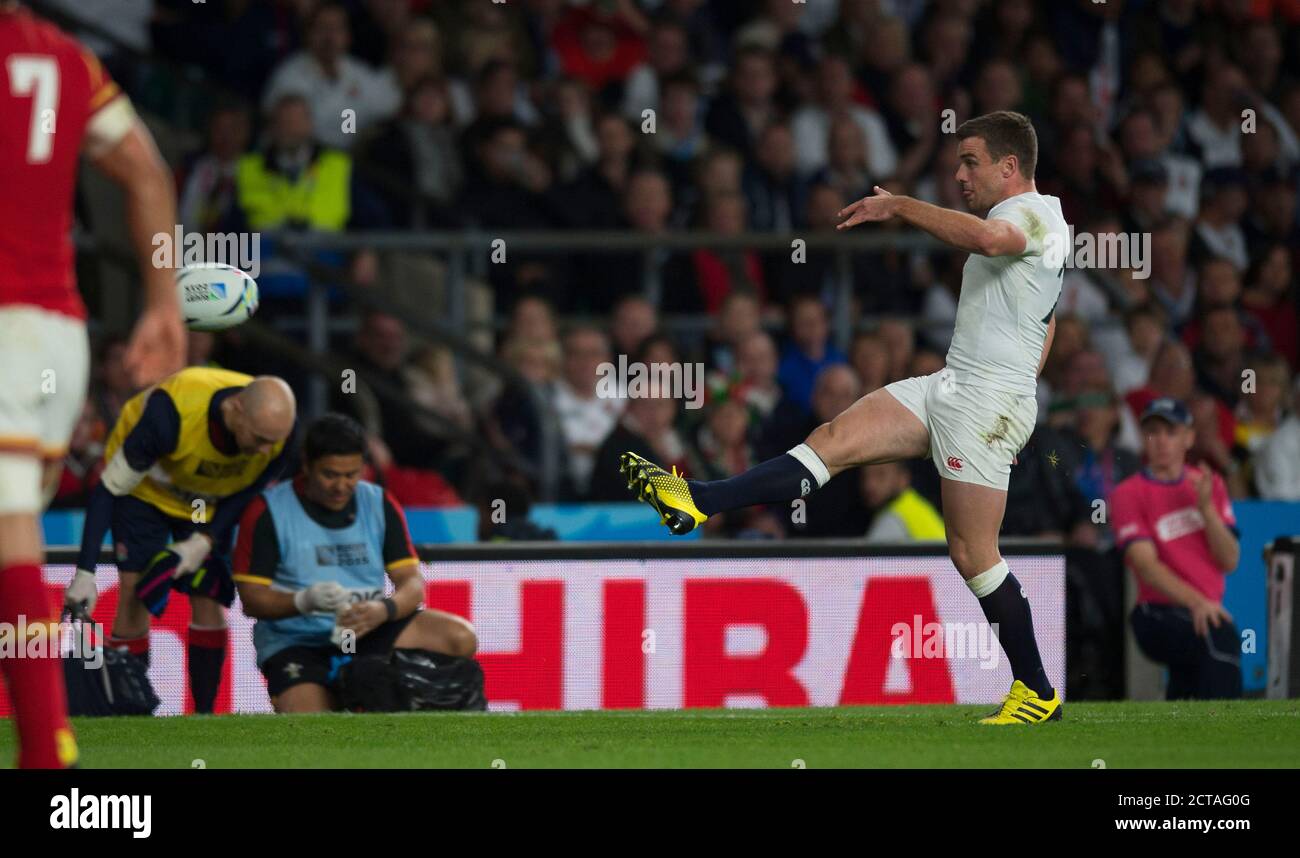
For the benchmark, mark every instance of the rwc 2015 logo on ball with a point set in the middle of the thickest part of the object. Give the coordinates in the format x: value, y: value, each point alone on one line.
x: 205, y: 291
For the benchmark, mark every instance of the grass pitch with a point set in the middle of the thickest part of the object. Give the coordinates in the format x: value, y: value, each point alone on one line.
x: 1217, y: 734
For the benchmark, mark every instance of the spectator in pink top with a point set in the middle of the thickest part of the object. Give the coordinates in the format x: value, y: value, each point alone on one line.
x: 1175, y: 529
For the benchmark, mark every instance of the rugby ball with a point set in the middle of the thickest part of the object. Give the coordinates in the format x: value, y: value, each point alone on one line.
x: 215, y: 296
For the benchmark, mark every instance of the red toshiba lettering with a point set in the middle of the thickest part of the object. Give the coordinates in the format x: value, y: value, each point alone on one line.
x: 710, y: 673
x: 533, y: 675
x: 887, y: 601
x: 623, y: 665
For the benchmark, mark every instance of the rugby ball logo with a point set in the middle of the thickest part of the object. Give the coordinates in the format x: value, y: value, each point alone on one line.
x: 215, y: 297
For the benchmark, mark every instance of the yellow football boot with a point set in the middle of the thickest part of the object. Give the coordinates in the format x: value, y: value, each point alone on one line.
x: 666, y: 492
x: 1023, y: 706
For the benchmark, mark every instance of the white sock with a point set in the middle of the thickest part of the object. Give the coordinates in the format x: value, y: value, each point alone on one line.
x: 810, y: 460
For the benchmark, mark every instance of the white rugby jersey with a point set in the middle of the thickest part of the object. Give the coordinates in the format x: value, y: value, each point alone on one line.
x: 1006, y: 302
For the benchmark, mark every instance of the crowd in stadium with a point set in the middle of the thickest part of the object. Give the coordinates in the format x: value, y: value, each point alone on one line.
x: 1156, y: 120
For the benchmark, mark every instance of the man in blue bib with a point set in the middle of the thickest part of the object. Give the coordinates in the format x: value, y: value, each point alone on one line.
x: 312, y: 560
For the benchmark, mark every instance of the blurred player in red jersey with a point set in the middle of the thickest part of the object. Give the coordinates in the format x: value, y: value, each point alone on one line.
x: 56, y: 103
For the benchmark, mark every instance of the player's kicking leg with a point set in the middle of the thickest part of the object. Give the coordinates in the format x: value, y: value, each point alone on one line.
x: 876, y: 428
x: 973, y: 518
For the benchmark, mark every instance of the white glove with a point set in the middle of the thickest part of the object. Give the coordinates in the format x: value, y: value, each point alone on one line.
x: 193, y: 550
x: 324, y: 597
x: 81, y: 592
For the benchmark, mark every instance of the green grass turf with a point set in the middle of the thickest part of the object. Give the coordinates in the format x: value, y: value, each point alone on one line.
x: 1236, y: 734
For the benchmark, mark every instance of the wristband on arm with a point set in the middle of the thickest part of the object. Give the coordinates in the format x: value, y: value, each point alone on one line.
x: 391, y: 606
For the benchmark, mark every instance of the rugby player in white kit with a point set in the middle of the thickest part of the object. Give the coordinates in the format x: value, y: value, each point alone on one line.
x: 971, y: 418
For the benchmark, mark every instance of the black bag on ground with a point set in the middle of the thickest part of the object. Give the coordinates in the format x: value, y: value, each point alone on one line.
x: 117, y: 685
x: 411, y: 680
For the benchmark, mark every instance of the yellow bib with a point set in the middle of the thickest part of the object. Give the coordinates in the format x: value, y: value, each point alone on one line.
x: 189, y: 481
x: 923, y: 521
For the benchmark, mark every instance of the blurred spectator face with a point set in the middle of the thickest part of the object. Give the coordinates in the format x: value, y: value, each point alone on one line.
x: 1275, y: 271
x: 1219, y: 284
x: 1262, y: 52
x: 1082, y: 161
x: 535, y: 359
x: 738, y: 318
x: 1275, y: 204
x: 634, y: 320
x: 1145, y: 333
x: 653, y: 415
x: 808, y: 326
x: 419, y: 52
x: 869, y: 358
x: 882, y: 483
x: 824, y: 206
x: 1169, y: 254
x: 835, y: 82
x: 1014, y: 16
x: 1167, y: 102
x: 727, y: 214
x: 784, y: 14
x: 660, y: 351
x: 1222, y: 336
x: 1271, y: 383
x: 1228, y: 202
x: 1259, y: 151
x: 584, y: 352
x: 913, y: 91
x: 776, y: 151
x: 504, y: 154
x: 533, y: 319
x: 649, y: 202
x: 1224, y: 93
x: 681, y: 108
x: 1165, y: 445
x: 925, y: 362
x: 721, y: 174
x: 846, y: 146
x: 199, y: 348
x: 1148, y: 72
x: 496, y: 93
x: 1042, y: 62
x: 729, y: 421
x: 598, y: 41
x: 291, y: 125
x: 1087, y: 369
x: 382, y: 341
x: 1138, y: 137
x: 835, y: 390
x: 429, y: 104
x: 329, y: 37
x: 998, y: 87
x: 1147, y: 198
x: 1096, y: 415
x: 947, y: 41
x: 1171, y: 371
x: 668, y: 49
x: 228, y: 134
x: 614, y: 138
x: 755, y: 79
x: 1073, y: 103
x: 756, y: 360
x: 887, y: 44
x: 901, y: 342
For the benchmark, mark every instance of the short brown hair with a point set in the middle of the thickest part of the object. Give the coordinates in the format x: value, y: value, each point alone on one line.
x: 1005, y: 132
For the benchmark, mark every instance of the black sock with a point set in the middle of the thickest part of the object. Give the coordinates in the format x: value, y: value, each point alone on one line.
x: 206, y: 657
x: 1008, y: 610
x: 777, y: 480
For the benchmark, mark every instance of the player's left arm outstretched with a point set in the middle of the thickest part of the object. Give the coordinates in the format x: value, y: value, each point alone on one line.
x: 993, y: 237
